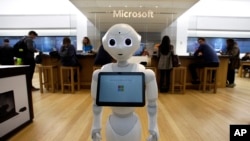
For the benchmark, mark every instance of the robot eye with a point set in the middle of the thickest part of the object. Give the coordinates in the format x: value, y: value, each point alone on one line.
x: 128, y: 42
x: 112, y: 42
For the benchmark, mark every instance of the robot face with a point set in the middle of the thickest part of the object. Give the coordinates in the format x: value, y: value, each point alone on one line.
x: 121, y: 41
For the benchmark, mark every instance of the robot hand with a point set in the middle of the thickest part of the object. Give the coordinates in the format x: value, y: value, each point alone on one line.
x: 153, y: 136
x: 96, y: 136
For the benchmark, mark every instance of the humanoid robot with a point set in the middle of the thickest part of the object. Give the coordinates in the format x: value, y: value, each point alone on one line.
x: 121, y: 41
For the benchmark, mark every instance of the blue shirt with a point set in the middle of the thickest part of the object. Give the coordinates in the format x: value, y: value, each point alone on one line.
x: 87, y: 48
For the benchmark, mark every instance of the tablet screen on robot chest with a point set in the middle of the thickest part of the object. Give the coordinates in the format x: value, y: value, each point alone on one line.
x: 125, y: 89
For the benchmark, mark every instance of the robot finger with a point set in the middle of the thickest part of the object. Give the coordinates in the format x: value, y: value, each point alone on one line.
x: 97, y: 137
x: 152, y: 138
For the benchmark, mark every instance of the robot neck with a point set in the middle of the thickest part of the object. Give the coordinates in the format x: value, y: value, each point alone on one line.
x: 122, y: 63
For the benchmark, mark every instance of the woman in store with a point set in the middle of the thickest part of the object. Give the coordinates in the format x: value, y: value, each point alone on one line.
x: 165, y: 63
x: 87, y: 47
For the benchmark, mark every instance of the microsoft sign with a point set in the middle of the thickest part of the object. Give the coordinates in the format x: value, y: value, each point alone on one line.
x: 133, y: 14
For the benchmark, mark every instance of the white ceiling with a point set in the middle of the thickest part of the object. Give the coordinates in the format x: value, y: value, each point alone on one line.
x: 100, y: 12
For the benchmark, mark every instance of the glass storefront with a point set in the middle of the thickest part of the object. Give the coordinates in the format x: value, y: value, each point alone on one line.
x: 219, y: 43
x: 43, y: 43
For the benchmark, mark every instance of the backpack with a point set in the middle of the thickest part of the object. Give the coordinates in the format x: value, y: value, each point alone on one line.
x: 38, y: 58
x: 20, y: 49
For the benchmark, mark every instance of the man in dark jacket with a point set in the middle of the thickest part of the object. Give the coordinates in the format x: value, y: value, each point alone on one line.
x: 208, y: 56
x: 68, y: 54
x: 6, y: 53
x: 29, y: 58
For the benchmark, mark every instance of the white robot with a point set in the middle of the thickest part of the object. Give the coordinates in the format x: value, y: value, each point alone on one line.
x: 121, y: 41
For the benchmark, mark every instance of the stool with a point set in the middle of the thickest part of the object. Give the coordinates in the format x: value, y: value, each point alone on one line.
x: 67, y: 77
x: 245, y: 73
x: 48, y: 77
x: 207, y: 78
x: 179, y: 75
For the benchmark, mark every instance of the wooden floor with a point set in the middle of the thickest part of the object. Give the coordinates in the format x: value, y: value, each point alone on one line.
x: 194, y: 116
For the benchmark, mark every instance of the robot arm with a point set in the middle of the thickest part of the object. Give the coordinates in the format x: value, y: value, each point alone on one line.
x: 153, y: 127
x: 152, y: 96
x: 97, y: 110
x: 96, y: 126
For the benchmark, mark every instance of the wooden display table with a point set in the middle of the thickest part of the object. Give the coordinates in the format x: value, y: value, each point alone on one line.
x: 87, y: 62
x: 186, y: 60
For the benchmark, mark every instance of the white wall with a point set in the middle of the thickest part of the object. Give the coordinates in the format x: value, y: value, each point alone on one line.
x: 182, y: 34
x: 37, y: 14
x: 47, y: 17
x: 210, y: 26
x: 208, y: 18
x: 45, y: 24
x: 94, y: 35
x: 171, y: 31
x: 214, y: 18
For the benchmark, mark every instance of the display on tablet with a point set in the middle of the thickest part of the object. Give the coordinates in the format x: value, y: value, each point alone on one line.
x: 125, y: 89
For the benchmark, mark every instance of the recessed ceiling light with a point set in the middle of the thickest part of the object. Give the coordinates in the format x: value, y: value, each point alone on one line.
x: 110, y: 6
x: 140, y: 6
x: 126, y: 6
x: 156, y: 6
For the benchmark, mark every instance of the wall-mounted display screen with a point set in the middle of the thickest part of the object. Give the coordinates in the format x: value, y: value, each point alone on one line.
x: 218, y: 43
x: 43, y: 43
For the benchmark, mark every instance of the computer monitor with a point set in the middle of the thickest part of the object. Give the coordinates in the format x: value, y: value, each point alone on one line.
x: 122, y: 89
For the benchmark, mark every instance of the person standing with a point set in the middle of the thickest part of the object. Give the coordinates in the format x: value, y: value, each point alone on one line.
x: 165, y: 63
x: 29, y: 58
x: 234, y: 61
x: 208, y: 56
x: 6, y: 53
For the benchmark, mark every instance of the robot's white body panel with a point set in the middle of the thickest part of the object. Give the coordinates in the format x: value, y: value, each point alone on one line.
x: 123, y: 124
x: 126, y: 125
x: 119, y: 134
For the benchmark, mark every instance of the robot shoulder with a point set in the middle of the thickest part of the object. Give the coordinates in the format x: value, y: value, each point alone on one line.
x: 149, y: 75
x: 140, y: 67
x: 104, y: 68
x: 95, y: 74
x: 107, y: 67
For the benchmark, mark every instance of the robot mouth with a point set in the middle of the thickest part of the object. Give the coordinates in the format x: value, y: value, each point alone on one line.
x: 120, y: 54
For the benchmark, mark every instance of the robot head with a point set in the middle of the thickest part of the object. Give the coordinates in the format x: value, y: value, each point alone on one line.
x: 121, y: 41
